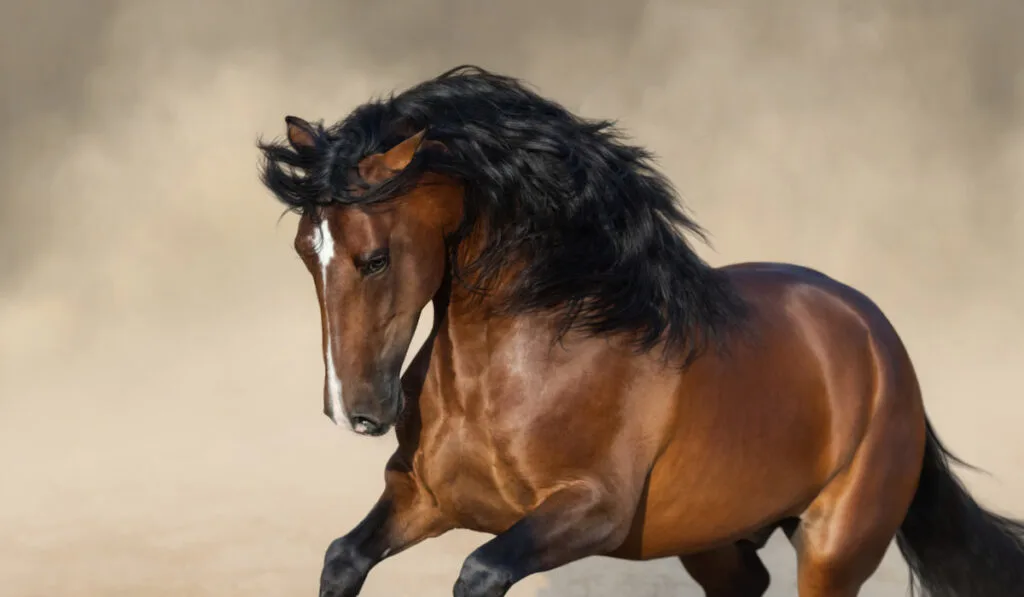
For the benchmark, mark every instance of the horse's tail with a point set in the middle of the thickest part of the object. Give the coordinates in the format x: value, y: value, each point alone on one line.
x: 954, y: 547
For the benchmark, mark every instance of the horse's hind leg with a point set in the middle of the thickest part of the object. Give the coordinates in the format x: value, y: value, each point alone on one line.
x: 843, y: 536
x: 730, y: 571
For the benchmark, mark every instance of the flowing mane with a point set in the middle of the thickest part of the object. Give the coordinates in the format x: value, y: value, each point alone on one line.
x: 597, y: 230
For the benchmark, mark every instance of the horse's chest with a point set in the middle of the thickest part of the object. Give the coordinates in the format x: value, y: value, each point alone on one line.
x: 474, y: 479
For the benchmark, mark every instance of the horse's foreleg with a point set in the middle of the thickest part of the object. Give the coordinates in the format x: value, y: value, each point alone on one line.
x: 401, y: 518
x: 574, y: 522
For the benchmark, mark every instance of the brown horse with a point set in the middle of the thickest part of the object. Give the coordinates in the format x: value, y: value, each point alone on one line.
x: 590, y: 385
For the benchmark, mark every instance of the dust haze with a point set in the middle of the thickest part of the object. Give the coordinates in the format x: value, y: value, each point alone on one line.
x: 160, y: 380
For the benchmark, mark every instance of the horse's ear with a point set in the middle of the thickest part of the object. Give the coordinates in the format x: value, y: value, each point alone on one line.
x: 399, y: 156
x: 300, y: 133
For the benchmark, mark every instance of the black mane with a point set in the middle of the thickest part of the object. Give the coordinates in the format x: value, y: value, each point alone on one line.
x: 597, y: 227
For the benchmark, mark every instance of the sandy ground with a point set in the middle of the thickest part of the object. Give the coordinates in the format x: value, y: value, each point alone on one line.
x: 160, y: 426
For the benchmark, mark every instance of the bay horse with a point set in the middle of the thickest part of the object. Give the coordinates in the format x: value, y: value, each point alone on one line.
x: 590, y: 385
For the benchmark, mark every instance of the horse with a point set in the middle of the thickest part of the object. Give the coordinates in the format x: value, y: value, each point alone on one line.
x: 592, y: 387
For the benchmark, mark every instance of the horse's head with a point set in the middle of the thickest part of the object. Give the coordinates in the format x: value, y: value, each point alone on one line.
x: 375, y: 266
x: 548, y: 213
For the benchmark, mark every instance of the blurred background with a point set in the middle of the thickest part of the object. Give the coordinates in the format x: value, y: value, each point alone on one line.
x: 160, y: 374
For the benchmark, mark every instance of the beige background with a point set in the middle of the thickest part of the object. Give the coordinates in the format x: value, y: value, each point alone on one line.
x: 160, y: 426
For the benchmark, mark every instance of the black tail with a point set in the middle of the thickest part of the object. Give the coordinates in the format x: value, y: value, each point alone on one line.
x: 954, y: 547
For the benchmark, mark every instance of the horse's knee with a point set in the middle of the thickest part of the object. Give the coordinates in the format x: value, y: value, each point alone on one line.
x: 479, y: 578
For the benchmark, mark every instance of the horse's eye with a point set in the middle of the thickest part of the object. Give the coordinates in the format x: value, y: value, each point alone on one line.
x: 376, y: 265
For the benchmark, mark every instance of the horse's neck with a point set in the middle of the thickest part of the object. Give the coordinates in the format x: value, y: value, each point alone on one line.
x: 415, y: 376
x: 458, y: 352
x: 455, y: 349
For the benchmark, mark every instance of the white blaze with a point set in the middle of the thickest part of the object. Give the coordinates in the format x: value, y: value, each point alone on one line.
x: 325, y: 253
